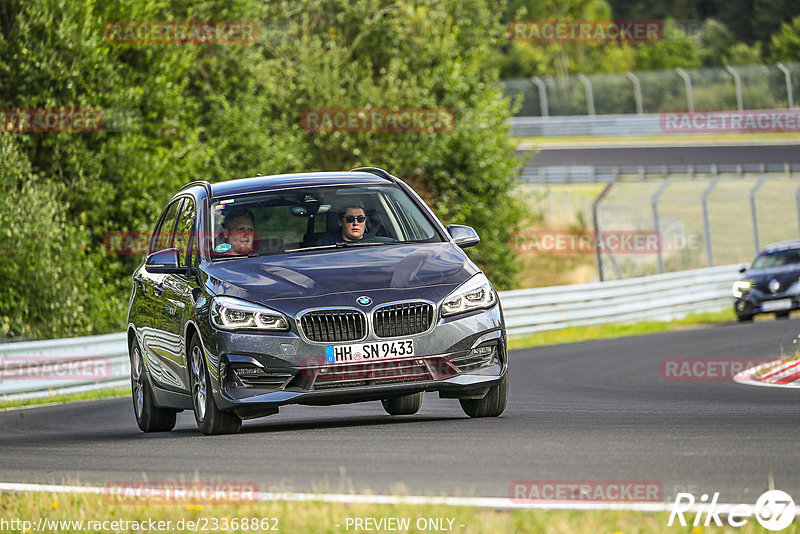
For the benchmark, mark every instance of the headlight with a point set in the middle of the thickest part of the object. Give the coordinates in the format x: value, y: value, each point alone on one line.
x: 474, y: 294
x: 234, y: 314
x: 739, y: 287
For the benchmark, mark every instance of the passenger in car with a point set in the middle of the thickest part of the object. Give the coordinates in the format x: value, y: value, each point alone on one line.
x: 238, y: 231
x: 353, y: 225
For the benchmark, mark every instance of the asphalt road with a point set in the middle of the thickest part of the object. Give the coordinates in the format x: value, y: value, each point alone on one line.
x: 668, y: 155
x: 595, y: 410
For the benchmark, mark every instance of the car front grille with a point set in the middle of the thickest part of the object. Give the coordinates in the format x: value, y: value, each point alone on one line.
x: 334, y: 325
x: 402, y: 319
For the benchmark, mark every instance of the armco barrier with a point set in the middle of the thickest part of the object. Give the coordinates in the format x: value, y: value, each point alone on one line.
x: 663, y: 296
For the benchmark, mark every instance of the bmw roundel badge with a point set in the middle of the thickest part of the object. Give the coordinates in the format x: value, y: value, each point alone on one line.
x: 364, y: 301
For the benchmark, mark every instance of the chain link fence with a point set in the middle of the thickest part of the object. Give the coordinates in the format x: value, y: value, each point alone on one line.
x: 705, y: 219
x: 708, y: 89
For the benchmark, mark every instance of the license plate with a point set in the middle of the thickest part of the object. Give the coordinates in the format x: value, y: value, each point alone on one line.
x: 360, y: 352
x: 775, y: 305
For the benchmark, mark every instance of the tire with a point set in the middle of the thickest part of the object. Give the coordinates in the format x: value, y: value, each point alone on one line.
x: 149, y: 417
x: 491, y: 405
x: 782, y: 314
x: 210, y: 419
x: 403, y: 405
x: 744, y: 318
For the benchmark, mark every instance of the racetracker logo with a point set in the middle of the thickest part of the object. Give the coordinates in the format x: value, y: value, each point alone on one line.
x: 705, y: 369
x: 559, y: 491
x: 566, y: 242
x: 586, y: 31
x: 230, y: 492
x: 181, y: 32
x: 378, y: 120
x: 759, y: 120
x: 53, y: 368
x: 50, y: 120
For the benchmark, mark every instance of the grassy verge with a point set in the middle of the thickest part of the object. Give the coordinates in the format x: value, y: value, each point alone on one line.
x: 313, y: 517
x: 605, y: 331
x: 84, y: 395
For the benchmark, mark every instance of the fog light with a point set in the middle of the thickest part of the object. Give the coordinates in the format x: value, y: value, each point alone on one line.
x: 482, y: 351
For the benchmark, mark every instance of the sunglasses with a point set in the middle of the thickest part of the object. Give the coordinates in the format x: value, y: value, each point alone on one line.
x: 353, y: 218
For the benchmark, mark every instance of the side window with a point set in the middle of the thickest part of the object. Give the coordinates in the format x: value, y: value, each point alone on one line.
x: 184, y: 231
x: 162, y: 237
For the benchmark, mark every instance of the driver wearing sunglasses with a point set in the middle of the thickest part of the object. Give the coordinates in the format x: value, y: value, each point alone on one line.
x: 353, y: 225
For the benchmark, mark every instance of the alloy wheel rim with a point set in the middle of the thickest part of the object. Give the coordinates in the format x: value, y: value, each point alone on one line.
x: 199, y: 384
x: 138, y: 385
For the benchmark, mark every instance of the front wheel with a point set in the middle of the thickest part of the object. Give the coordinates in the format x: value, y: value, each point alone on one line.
x: 210, y: 419
x: 491, y: 405
x: 149, y: 417
x: 403, y: 405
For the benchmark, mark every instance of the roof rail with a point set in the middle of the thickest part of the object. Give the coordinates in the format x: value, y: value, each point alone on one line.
x: 204, y: 183
x: 377, y: 172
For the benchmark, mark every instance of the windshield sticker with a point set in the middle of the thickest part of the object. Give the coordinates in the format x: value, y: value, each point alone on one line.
x: 223, y: 247
x: 227, y: 201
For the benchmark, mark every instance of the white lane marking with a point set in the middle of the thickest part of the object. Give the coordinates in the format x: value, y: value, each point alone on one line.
x: 496, y: 503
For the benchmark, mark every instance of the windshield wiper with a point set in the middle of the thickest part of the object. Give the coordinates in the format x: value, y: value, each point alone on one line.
x: 303, y: 249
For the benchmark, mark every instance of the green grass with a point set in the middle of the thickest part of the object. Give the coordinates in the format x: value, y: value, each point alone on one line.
x: 605, y: 331
x: 84, y: 395
x: 673, y: 138
x: 317, y: 517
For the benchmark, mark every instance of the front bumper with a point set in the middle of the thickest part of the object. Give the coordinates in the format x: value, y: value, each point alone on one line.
x: 755, y: 303
x: 253, y: 374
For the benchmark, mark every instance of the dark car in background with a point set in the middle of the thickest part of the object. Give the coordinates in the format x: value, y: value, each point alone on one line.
x: 252, y: 297
x: 771, y: 284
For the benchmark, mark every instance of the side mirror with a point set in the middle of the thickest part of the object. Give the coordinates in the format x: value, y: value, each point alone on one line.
x: 164, y: 261
x: 463, y: 236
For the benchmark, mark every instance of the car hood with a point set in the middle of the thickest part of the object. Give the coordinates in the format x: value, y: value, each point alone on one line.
x: 344, y: 270
x: 785, y: 275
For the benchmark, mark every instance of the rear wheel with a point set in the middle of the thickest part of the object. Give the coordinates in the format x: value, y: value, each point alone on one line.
x: 782, y: 314
x: 491, y: 405
x: 403, y: 405
x: 210, y: 419
x: 149, y: 417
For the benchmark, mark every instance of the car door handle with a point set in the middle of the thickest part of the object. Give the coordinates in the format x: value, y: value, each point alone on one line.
x: 157, y: 290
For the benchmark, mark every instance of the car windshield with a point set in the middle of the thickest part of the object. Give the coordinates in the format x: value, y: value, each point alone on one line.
x: 777, y: 258
x: 293, y: 220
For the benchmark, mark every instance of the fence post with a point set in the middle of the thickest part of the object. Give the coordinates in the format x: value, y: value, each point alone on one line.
x: 738, y: 84
x: 545, y: 112
x: 753, y: 209
x: 657, y: 222
x: 637, y: 92
x: 589, y: 94
x: 687, y: 83
x: 706, y: 222
x: 596, y: 222
x: 788, y: 77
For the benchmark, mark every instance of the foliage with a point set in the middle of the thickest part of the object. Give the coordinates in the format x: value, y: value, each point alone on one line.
x: 786, y: 42
x: 219, y: 112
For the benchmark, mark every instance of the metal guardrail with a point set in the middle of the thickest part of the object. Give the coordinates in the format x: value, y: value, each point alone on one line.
x: 564, y: 174
x: 657, y: 297
x: 42, y: 368
x: 586, y: 125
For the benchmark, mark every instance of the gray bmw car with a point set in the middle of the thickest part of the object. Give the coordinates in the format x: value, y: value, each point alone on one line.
x: 317, y: 289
